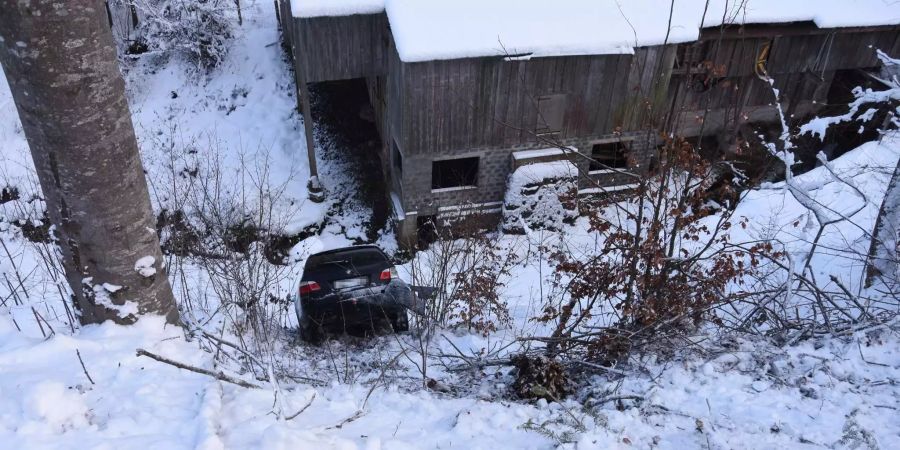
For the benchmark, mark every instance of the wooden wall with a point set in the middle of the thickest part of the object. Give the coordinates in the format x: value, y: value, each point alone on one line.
x: 829, y: 50
x: 480, y: 103
x: 801, y: 60
x: 488, y: 107
x: 340, y: 48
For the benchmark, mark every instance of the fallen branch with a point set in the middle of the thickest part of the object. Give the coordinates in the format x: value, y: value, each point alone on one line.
x: 254, y: 359
x: 217, y: 375
x: 616, y: 399
x: 356, y: 415
x: 303, y: 408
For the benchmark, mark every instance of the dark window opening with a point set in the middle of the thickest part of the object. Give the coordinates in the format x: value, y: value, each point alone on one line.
x: 551, y: 113
x: 451, y: 173
x: 610, y: 155
x: 689, y: 58
x: 840, y: 92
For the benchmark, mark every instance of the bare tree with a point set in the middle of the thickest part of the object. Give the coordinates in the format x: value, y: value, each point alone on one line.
x: 60, y: 62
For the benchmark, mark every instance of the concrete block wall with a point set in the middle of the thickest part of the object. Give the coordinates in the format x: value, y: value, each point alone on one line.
x: 495, y: 165
x: 493, y: 169
x: 641, y: 150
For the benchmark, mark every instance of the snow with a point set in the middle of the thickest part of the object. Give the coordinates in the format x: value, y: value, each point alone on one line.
x: 520, y: 29
x: 52, y: 405
x: 538, y: 172
x: 824, y: 13
x: 111, y: 288
x: 144, y: 266
x: 471, y: 28
x: 606, y: 189
x: 536, y: 191
x: 450, y: 29
x: 84, y: 387
x: 775, y: 211
x: 397, y: 204
x: 320, y: 8
x: 540, y: 153
x: 235, y: 126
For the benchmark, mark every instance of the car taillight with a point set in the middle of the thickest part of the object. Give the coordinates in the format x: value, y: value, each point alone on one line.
x: 388, y: 274
x: 307, y: 287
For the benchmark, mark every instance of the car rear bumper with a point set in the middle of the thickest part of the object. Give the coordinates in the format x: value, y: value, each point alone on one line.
x: 351, y: 308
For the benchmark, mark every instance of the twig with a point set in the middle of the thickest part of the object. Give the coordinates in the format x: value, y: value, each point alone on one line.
x: 303, y: 408
x: 254, y: 359
x: 217, y: 375
x: 356, y: 415
x: 606, y: 369
x: 37, y: 318
x: 867, y: 361
x: 83, y: 367
x: 381, y: 376
x: 617, y: 398
x: 850, y: 296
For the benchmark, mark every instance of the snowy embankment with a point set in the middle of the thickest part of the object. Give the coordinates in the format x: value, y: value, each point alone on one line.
x: 62, y: 386
x: 848, y: 191
x: 831, y: 392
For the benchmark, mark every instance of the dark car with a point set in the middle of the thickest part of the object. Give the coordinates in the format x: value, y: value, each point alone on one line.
x: 348, y: 288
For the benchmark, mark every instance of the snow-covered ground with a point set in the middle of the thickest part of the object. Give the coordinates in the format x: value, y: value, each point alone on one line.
x: 63, y: 386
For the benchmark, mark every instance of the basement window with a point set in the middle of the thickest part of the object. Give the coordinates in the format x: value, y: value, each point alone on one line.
x: 454, y: 173
x: 609, y: 155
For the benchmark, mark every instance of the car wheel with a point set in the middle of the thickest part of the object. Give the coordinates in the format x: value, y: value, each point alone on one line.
x: 311, y: 332
x: 400, y: 322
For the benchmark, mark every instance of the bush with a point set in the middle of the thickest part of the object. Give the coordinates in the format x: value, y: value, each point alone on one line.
x: 541, y: 196
x: 470, y: 269
x: 664, y: 262
x: 198, y: 30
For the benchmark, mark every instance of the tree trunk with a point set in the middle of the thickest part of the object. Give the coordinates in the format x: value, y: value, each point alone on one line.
x: 884, y: 250
x: 60, y: 61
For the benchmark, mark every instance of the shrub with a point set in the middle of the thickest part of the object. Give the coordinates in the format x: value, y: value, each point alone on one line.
x: 198, y: 30
x: 663, y: 262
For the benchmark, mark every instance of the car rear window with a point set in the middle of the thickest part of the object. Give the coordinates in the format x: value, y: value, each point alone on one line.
x: 353, y: 258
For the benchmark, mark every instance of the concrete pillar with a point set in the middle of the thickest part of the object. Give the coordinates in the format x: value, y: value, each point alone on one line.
x: 408, y: 231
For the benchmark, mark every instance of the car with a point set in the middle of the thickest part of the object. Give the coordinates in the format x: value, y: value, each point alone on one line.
x: 351, y: 287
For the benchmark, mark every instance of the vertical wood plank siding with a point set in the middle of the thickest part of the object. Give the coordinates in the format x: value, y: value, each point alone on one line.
x: 480, y: 103
x: 801, y: 63
x: 340, y: 48
x: 488, y: 107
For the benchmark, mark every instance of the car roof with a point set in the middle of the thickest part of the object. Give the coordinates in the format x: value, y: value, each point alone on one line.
x: 347, y: 249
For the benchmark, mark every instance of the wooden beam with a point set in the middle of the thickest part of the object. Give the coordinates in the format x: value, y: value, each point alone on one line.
x: 314, y: 186
x: 787, y: 29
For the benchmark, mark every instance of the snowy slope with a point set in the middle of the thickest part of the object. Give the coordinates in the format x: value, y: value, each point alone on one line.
x: 776, y: 213
x: 831, y: 391
x: 240, y: 120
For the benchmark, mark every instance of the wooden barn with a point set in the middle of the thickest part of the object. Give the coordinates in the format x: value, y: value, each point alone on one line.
x: 465, y: 91
x: 717, y: 82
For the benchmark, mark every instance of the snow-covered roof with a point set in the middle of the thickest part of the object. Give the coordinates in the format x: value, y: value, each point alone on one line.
x: 449, y: 29
x: 824, y: 13
x: 321, y: 8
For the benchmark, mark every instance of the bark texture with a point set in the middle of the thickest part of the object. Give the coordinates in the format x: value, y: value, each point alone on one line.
x: 884, y: 251
x: 60, y: 61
